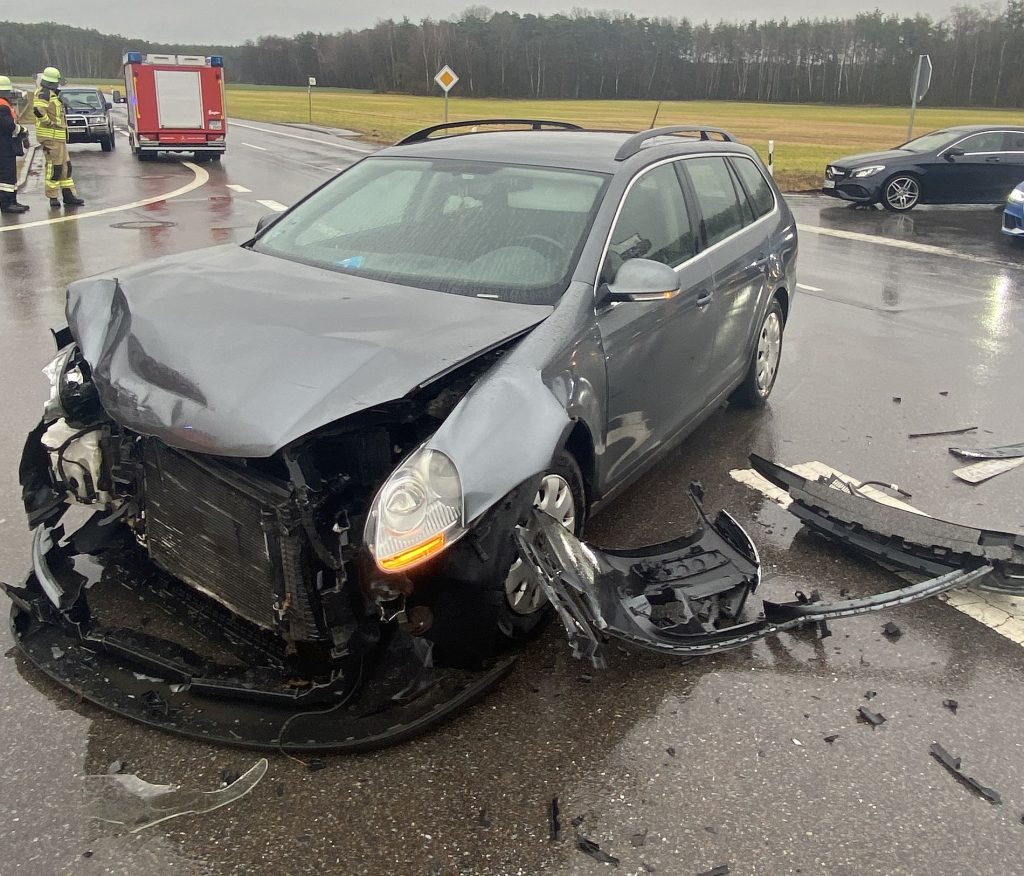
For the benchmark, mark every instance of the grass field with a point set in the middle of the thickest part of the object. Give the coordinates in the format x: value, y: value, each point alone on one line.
x: 806, y: 136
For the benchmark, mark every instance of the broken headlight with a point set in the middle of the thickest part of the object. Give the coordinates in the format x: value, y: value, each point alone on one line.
x: 72, y: 392
x: 417, y: 513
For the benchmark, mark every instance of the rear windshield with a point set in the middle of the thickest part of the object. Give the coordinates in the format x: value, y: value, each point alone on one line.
x: 508, y: 232
x: 929, y: 142
x: 82, y: 100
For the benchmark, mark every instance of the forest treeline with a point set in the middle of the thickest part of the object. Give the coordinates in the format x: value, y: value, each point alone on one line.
x: 866, y: 59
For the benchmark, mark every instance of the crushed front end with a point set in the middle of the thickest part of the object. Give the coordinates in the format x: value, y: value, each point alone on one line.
x: 227, y: 598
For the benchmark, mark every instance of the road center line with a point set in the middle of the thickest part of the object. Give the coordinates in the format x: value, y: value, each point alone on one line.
x: 300, y: 137
x: 235, y: 187
x: 201, y: 179
x: 253, y: 146
x: 807, y: 288
x: 273, y: 205
x: 926, y: 248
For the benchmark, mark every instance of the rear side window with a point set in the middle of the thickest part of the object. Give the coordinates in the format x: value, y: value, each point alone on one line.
x: 653, y: 223
x: 758, y: 190
x: 989, y: 141
x: 719, y: 201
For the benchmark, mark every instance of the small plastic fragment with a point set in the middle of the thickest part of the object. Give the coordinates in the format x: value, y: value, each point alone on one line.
x: 638, y: 839
x: 87, y: 853
x: 136, y: 804
x: 648, y: 868
x: 56, y: 652
x: 315, y: 764
x: 482, y: 819
x: 720, y: 870
x: 229, y: 777
x: 832, y: 737
x: 952, y: 765
x: 952, y: 705
x: 891, y: 631
x: 875, y: 719
x: 870, y: 694
x: 589, y: 847
x: 115, y: 767
x: 961, y: 431
x: 670, y: 751
x: 578, y: 820
x: 554, y: 822
x: 896, y: 400
x: 797, y: 742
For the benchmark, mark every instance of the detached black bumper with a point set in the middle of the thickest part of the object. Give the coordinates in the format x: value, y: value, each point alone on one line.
x: 118, y: 632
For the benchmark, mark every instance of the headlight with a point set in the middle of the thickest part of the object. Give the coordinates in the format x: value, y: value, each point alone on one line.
x: 72, y: 392
x: 417, y: 513
x: 868, y: 171
x: 1017, y: 196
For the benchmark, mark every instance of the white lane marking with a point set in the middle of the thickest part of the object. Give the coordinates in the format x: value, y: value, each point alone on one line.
x: 201, y: 179
x: 808, y: 288
x: 272, y: 205
x: 235, y: 187
x: 300, y: 137
x: 926, y: 248
x: 1004, y: 614
x: 253, y: 146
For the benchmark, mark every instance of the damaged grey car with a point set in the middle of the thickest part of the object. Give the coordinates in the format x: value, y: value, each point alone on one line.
x: 276, y: 487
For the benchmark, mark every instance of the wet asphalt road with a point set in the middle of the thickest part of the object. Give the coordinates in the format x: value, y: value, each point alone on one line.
x: 678, y: 767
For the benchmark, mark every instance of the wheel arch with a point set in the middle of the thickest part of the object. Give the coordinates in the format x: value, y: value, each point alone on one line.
x: 580, y: 445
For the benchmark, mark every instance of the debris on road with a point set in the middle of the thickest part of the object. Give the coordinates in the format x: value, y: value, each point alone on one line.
x: 870, y: 694
x: 638, y: 839
x: 589, y: 847
x: 891, y: 631
x: 962, y: 431
x: 865, y: 715
x: 952, y: 705
x: 979, y: 472
x: 720, y: 870
x: 952, y: 764
x: 115, y: 767
x: 137, y: 804
x: 832, y: 737
x: 482, y: 819
x: 896, y: 400
x: 554, y: 822
x: 315, y: 764
x: 1006, y: 451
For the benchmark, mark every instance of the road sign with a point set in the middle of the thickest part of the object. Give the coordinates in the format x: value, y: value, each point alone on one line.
x: 312, y: 81
x: 446, y: 78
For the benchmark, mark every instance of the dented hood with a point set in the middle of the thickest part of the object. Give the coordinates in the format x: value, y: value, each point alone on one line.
x: 231, y: 352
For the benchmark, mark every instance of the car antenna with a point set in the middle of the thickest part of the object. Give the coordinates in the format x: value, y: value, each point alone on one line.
x: 657, y: 110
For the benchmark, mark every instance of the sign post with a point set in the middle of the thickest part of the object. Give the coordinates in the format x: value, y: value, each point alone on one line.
x: 446, y: 78
x: 309, y: 95
x: 919, y: 88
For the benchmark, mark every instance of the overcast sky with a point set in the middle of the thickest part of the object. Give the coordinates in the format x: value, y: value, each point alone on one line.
x: 227, y: 22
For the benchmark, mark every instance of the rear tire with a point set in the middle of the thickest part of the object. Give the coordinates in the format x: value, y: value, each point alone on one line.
x: 757, y: 385
x: 522, y: 604
x: 901, y: 193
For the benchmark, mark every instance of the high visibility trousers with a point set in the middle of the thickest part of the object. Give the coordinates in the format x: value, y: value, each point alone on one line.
x: 58, y: 168
x: 8, y: 179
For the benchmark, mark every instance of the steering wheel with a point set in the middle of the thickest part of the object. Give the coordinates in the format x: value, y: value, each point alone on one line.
x: 548, y: 245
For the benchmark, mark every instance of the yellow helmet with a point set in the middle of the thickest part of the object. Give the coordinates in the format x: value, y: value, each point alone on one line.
x: 5, y: 83
x: 51, y: 74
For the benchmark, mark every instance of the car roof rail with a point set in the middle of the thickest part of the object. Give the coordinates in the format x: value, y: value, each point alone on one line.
x: 535, y: 124
x: 635, y: 143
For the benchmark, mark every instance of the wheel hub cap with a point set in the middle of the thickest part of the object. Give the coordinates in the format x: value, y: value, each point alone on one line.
x: 769, y: 351
x: 555, y: 499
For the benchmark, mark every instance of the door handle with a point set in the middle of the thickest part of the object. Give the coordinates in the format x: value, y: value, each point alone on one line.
x: 704, y: 299
x: 992, y: 159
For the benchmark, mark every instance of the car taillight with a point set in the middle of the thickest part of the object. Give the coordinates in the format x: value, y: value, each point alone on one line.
x: 216, y: 125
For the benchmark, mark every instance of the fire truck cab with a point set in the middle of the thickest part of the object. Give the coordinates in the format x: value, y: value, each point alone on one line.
x: 175, y: 104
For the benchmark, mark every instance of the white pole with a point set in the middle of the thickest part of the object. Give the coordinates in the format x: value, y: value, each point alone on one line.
x: 913, y: 98
x: 771, y: 157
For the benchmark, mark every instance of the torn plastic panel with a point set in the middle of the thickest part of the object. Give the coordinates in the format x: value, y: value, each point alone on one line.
x: 1006, y: 451
x: 683, y: 597
x: 897, y: 538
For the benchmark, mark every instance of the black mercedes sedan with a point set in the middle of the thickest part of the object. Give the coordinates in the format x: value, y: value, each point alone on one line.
x: 969, y: 164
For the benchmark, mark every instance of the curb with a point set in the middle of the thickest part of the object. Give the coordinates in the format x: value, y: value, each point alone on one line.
x: 27, y: 165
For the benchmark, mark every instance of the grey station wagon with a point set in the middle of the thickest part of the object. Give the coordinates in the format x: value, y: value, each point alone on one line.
x: 317, y: 445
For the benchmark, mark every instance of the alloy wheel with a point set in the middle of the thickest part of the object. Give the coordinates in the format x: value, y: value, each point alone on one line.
x: 902, y: 193
x: 555, y: 498
x: 769, y: 352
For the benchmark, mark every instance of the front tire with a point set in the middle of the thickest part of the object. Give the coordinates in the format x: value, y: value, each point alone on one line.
x: 757, y: 385
x: 563, y: 496
x: 901, y: 193
x: 107, y: 144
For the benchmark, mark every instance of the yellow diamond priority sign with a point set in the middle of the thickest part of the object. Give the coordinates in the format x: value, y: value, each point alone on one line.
x: 446, y: 78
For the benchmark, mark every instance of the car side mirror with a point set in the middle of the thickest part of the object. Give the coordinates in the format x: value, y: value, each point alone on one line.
x: 108, y: 105
x: 954, y: 153
x: 117, y: 97
x: 265, y: 220
x: 642, y: 280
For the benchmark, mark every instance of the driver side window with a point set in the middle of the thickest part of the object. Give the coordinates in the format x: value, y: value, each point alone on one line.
x: 988, y: 141
x: 652, y: 224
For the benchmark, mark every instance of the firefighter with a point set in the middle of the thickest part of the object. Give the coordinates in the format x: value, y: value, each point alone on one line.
x: 52, y: 134
x: 13, y: 140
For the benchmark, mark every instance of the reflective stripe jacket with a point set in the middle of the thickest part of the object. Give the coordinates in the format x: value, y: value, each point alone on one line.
x: 49, y: 113
x: 11, y: 133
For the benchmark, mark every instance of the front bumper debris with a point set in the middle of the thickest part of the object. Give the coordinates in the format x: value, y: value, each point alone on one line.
x: 684, y: 597
x: 96, y: 616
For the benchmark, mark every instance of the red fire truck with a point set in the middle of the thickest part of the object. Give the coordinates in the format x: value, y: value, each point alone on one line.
x: 175, y: 104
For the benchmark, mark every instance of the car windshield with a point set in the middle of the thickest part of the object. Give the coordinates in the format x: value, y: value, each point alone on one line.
x: 929, y: 142
x: 83, y: 100
x: 508, y: 232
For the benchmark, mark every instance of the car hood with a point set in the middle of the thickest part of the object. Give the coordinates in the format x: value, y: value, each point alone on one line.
x: 235, y: 353
x: 888, y: 155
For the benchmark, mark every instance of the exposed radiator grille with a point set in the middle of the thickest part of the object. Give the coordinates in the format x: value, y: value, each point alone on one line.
x: 225, y: 533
